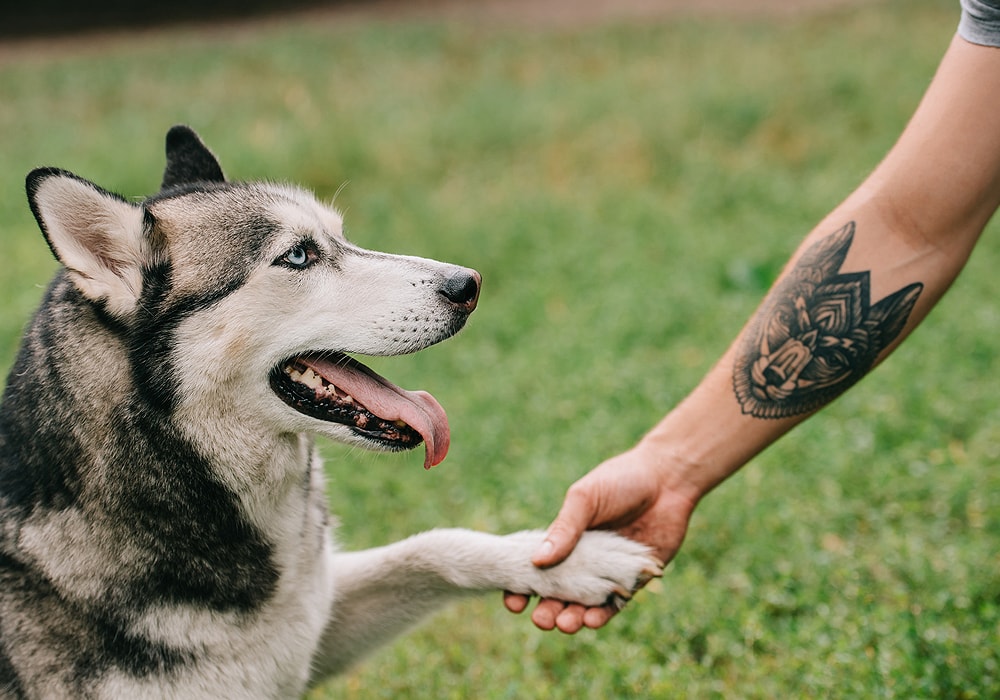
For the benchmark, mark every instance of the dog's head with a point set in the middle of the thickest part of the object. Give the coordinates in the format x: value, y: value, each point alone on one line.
x: 244, y: 300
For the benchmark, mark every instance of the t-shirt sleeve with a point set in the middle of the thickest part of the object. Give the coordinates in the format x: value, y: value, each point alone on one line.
x: 980, y: 22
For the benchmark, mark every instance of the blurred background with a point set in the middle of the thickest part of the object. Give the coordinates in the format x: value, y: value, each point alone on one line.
x: 628, y: 177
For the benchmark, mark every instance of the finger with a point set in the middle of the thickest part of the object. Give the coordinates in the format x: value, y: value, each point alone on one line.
x: 598, y: 617
x: 565, y: 531
x: 515, y: 602
x: 545, y: 613
x: 570, y: 620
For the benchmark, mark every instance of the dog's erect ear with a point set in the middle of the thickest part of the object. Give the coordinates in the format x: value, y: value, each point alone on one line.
x: 103, y: 240
x: 189, y: 160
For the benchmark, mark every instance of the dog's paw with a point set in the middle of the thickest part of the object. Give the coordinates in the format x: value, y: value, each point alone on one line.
x: 603, y: 569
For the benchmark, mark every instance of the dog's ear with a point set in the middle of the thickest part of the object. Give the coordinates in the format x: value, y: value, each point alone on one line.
x: 189, y: 160
x: 103, y: 240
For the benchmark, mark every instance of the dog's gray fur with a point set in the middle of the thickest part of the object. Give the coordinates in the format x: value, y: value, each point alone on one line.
x: 163, y: 524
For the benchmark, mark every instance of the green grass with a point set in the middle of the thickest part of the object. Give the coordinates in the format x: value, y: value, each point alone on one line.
x: 628, y: 193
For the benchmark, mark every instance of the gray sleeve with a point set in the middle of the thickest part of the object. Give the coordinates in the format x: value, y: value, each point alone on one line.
x: 980, y: 22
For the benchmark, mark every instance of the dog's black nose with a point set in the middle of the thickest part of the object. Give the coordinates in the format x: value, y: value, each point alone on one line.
x: 462, y: 288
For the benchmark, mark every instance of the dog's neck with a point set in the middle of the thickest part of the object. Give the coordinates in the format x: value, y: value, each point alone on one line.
x: 264, y: 470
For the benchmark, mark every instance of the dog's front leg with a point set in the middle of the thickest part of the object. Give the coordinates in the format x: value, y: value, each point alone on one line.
x: 381, y: 592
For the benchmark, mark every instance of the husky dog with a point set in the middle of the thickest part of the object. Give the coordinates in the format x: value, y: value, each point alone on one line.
x: 163, y: 524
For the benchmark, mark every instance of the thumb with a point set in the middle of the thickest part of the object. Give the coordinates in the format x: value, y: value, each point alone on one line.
x: 563, y: 534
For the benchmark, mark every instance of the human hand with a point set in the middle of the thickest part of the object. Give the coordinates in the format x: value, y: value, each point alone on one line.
x: 631, y: 494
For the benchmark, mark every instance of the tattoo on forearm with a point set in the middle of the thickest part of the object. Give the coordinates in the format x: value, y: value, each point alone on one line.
x: 816, y: 334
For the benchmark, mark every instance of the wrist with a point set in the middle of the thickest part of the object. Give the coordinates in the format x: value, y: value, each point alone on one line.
x: 706, y: 439
x: 676, y: 471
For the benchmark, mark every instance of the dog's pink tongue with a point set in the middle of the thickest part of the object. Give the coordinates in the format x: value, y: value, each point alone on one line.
x: 418, y: 409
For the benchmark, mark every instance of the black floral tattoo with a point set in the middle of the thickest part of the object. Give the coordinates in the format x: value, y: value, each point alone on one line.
x: 816, y: 334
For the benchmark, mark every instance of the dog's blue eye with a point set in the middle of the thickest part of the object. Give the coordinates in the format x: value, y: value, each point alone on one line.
x: 298, y: 257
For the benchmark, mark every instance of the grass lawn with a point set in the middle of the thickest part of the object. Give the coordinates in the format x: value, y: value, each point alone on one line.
x: 628, y: 193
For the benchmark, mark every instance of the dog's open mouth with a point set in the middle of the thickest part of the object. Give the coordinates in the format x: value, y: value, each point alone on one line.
x: 336, y: 388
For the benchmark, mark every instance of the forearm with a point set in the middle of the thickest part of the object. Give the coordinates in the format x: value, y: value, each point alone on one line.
x: 861, y: 281
x: 824, y: 325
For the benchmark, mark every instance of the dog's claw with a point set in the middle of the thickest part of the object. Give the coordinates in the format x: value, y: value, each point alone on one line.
x: 652, y: 571
x: 617, y: 600
x: 620, y: 592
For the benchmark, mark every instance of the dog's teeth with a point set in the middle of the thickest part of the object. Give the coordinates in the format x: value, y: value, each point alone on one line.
x: 348, y: 398
x: 311, y: 379
x: 399, y: 423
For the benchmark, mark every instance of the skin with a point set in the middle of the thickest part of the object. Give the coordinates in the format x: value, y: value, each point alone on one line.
x: 915, y: 219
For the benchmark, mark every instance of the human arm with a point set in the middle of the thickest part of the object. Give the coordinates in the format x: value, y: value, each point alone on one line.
x: 881, y: 260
